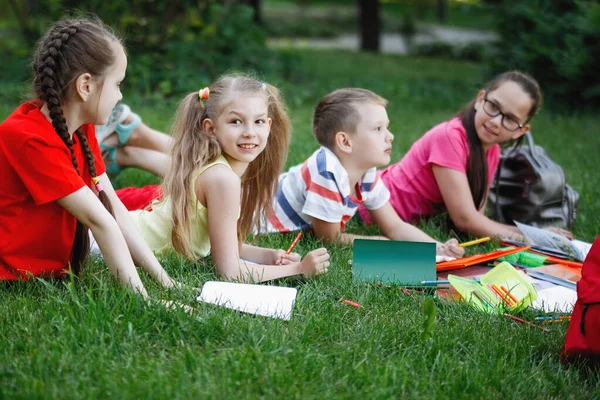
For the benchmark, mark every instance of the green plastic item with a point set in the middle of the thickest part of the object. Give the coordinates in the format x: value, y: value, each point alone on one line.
x: 393, y: 262
x: 525, y: 258
x: 502, y: 274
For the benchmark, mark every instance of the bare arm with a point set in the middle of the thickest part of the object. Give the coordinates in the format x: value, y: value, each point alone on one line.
x: 85, y: 206
x: 140, y: 252
x: 220, y: 188
x: 261, y: 255
x: 459, y: 203
x: 395, y: 228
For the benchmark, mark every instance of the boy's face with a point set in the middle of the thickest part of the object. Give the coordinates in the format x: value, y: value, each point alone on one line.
x: 372, y: 142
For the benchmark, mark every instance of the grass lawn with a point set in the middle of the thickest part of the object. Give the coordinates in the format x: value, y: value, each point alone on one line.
x: 91, y: 338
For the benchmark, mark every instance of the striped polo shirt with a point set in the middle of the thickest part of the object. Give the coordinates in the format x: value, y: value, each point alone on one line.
x: 320, y: 188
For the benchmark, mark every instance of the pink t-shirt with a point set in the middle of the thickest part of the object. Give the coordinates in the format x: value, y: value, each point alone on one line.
x: 412, y: 185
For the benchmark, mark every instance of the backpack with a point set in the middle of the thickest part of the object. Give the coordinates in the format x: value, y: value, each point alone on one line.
x: 530, y: 188
x: 582, y: 342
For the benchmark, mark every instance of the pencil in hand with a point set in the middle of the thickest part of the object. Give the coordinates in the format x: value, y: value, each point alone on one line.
x: 294, y: 243
x: 476, y: 241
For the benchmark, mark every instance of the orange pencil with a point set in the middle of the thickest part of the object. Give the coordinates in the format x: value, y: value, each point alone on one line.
x: 294, y: 243
x: 498, y: 293
x: 350, y: 302
x: 504, y: 295
x: 512, y: 297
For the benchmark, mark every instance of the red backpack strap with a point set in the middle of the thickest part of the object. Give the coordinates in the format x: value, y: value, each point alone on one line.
x: 583, y: 312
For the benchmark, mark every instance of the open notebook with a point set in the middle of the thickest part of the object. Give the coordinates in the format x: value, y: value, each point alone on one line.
x: 268, y: 301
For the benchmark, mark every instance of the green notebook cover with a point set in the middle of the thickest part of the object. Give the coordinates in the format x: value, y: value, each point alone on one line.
x: 393, y: 262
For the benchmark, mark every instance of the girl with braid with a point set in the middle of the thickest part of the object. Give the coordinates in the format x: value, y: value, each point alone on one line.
x: 54, y: 185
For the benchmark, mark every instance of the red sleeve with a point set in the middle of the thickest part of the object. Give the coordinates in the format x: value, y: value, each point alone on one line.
x: 448, y: 148
x: 46, y: 170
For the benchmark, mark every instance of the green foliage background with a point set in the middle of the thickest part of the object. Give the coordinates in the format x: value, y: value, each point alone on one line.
x: 558, y: 42
x: 174, y: 47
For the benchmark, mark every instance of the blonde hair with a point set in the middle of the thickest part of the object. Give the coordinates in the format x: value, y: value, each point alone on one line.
x: 336, y: 112
x: 194, y: 148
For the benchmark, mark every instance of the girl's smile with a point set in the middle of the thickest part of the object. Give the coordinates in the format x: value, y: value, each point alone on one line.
x: 248, y: 147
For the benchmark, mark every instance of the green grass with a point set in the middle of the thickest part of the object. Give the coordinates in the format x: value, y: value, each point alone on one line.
x: 91, y: 338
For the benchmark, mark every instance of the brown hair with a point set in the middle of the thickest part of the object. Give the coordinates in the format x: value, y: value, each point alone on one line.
x: 477, y: 168
x: 194, y: 147
x: 336, y: 112
x: 70, y: 48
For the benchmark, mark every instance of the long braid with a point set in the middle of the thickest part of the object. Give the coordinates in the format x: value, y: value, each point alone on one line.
x: 91, y: 161
x: 51, y: 90
x: 50, y: 67
x: 59, y: 60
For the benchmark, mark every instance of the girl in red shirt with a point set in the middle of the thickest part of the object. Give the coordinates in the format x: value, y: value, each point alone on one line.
x: 53, y: 179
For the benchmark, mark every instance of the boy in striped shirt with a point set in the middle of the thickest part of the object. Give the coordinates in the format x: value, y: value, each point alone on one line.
x: 324, y: 192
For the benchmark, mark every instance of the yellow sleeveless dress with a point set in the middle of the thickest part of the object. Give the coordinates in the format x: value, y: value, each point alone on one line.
x: 156, y: 225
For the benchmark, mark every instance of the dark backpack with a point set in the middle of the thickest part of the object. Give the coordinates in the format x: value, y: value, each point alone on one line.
x: 530, y: 188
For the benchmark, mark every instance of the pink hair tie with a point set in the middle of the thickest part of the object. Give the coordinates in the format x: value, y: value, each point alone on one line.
x: 97, y: 184
x: 203, y: 93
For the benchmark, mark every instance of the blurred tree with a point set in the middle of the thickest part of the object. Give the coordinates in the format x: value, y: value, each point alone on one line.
x: 256, y: 6
x: 22, y: 11
x: 370, y: 25
x: 174, y: 46
x: 442, y: 10
x: 558, y: 42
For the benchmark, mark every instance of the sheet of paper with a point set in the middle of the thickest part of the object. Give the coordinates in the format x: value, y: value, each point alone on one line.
x: 549, y: 240
x: 268, y: 301
x: 555, y: 299
x: 444, y: 258
x: 583, y: 247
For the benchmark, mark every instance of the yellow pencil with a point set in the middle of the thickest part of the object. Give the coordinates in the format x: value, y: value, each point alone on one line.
x: 476, y: 241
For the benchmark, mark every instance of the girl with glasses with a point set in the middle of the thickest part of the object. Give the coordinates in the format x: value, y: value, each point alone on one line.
x: 452, y: 166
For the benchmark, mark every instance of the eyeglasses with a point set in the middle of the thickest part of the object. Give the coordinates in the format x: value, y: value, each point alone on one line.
x: 492, y: 110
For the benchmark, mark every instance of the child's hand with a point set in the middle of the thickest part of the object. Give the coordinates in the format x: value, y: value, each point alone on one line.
x: 450, y: 248
x: 281, y: 258
x: 316, y: 262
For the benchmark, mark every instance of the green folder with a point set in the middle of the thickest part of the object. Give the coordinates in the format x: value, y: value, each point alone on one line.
x: 393, y: 262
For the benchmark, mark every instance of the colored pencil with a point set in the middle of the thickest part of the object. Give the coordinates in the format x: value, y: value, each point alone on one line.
x: 350, y: 302
x: 505, y: 296
x: 441, y: 282
x: 476, y: 241
x: 498, y: 293
x: 526, y: 322
x: 482, y: 298
x: 557, y: 318
x: 512, y: 297
x: 294, y: 243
